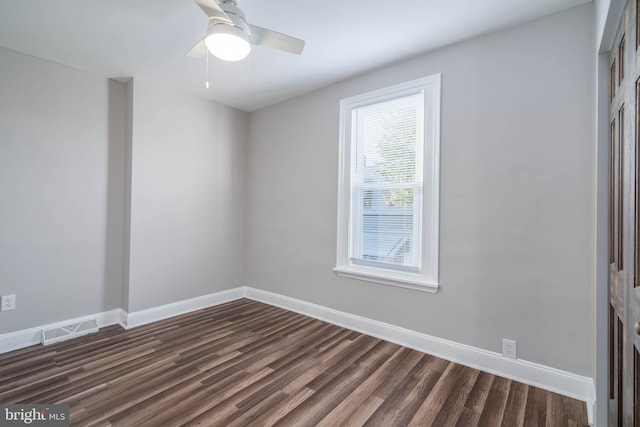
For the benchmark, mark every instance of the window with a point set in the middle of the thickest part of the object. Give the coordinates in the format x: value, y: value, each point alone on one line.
x: 388, y: 192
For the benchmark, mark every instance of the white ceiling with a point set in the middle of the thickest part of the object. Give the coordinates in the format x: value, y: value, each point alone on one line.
x: 148, y: 39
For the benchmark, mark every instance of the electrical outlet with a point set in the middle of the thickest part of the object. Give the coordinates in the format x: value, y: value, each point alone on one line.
x: 509, y: 348
x: 8, y: 302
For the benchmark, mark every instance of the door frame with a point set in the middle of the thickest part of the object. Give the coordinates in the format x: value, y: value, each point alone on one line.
x: 604, y: 43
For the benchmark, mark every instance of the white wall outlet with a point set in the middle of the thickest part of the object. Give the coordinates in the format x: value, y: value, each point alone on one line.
x: 509, y: 348
x: 8, y: 302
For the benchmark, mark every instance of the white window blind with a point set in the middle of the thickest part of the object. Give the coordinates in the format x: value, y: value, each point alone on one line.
x: 386, y: 183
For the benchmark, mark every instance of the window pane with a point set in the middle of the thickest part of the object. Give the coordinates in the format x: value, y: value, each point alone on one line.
x: 388, y: 225
x: 387, y: 183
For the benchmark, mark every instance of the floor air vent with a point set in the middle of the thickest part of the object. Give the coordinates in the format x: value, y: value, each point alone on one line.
x: 61, y: 333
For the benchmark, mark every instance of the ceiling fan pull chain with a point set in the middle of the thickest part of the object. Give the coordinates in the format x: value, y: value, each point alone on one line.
x: 206, y: 77
x: 249, y: 68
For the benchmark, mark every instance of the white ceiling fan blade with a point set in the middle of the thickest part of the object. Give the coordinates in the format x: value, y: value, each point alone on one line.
x: 198, y: 51
x: 213, y: 9
x: 267, y: 38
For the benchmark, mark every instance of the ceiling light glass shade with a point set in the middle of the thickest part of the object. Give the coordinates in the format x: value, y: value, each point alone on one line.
x: 227, y: 42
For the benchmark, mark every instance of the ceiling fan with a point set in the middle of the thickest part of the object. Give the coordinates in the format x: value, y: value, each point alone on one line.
x: 229, y: 36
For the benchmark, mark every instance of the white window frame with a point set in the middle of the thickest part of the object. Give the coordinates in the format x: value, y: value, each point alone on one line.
x: 426, y: 279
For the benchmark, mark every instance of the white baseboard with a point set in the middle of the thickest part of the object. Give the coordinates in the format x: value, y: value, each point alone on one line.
x: 27, y: 337
x: 32, y: 336
x: 142, y: 317
x: 544, y: 377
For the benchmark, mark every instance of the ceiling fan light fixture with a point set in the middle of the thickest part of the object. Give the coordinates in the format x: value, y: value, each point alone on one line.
x: 227, y: 42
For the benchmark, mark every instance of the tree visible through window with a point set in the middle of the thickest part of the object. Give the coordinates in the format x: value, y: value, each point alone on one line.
x: 397, y: 148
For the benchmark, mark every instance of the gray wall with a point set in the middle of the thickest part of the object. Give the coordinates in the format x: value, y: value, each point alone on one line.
x: 517, y: 195
x: 86, y: 161
x: 61, y: 191
x: 188, y: 192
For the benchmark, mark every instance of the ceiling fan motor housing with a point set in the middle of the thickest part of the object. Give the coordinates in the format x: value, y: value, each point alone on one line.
x: 235, y: 15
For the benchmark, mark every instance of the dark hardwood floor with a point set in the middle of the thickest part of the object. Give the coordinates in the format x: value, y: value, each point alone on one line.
x: 246, y: 363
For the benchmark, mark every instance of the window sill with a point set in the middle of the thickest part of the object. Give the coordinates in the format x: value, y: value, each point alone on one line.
x: 385, y: 278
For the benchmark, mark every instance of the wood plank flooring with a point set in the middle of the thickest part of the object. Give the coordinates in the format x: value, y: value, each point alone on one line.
x: 245, y: 363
